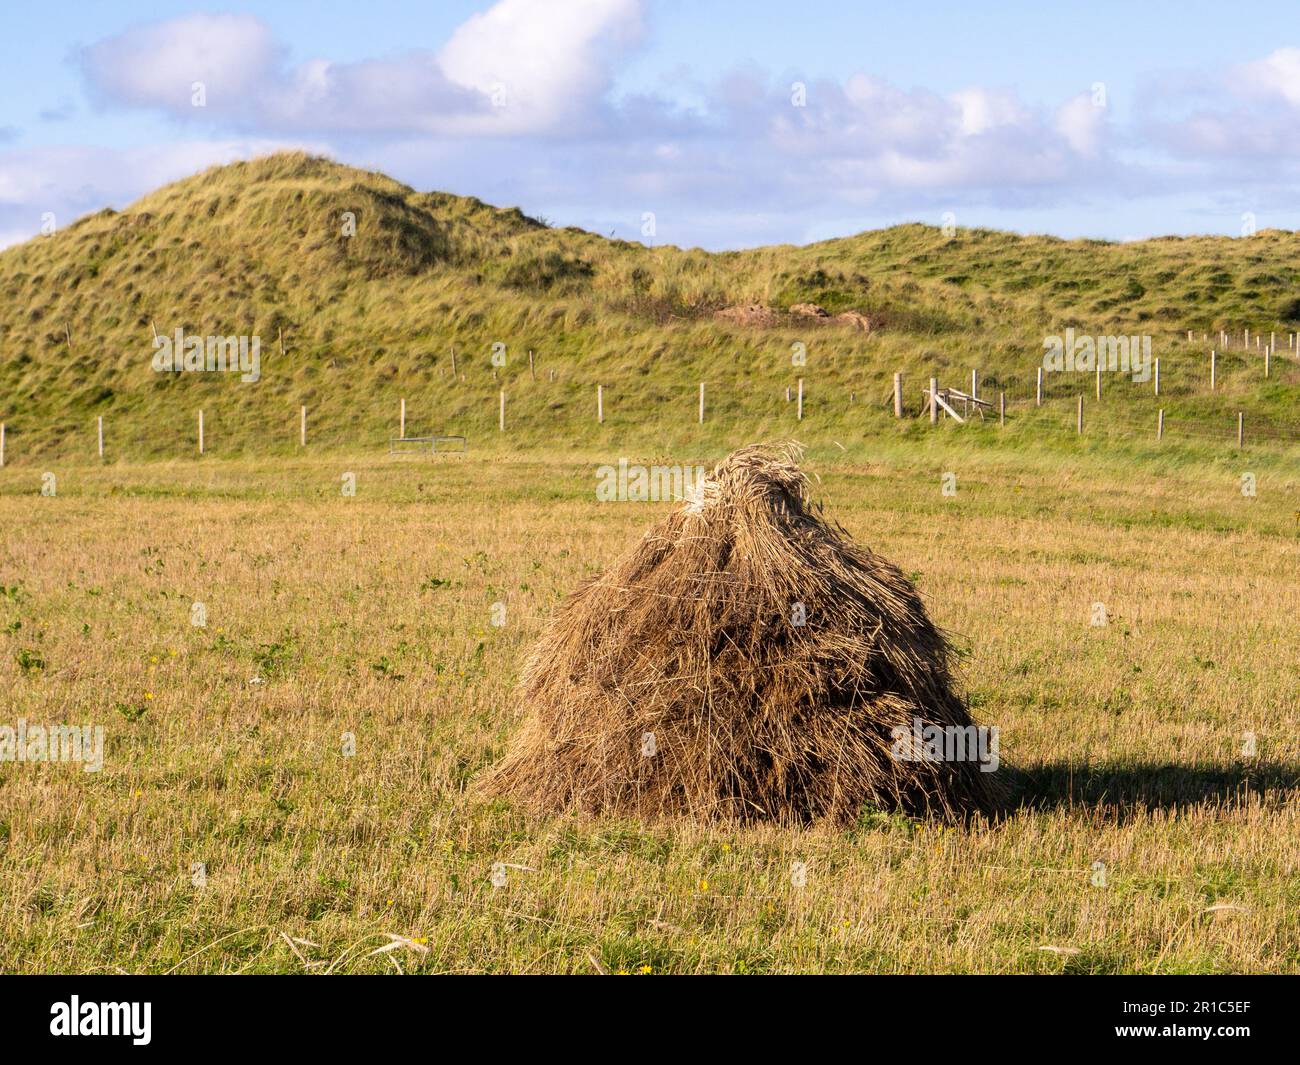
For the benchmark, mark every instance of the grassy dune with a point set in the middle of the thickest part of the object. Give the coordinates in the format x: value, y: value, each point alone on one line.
x: 371, y: 615
x: 259, y: 249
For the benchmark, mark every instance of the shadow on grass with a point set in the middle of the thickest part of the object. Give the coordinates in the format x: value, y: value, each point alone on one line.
x: 1113, y: 788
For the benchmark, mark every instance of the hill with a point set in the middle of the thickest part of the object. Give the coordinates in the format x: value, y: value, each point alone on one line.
x: 360, y: 287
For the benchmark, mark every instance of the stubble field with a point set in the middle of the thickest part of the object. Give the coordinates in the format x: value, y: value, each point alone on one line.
x: 286, y: 786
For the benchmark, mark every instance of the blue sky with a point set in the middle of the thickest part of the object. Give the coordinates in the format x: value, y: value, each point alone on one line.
x: 1091, y: 119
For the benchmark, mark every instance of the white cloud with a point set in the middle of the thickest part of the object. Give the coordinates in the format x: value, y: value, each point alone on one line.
x: 156, y: 65
x: 522, y: 66
x: 1248, y: 113
x: 985, y: 109
x: 1081, y: 123
x: 739, y: 155
x: 545, y: 61
x: 1277, y: 74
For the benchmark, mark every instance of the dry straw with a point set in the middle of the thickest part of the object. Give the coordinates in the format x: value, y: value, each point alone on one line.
x: 681, y: 681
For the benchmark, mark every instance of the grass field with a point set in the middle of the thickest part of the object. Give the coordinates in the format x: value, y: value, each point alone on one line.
x: 372, y: 615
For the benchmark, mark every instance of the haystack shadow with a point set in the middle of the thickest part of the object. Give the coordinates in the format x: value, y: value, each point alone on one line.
x: 1119, y: 788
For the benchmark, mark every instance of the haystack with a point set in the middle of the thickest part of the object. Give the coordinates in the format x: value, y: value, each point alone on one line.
x: 745, y: 660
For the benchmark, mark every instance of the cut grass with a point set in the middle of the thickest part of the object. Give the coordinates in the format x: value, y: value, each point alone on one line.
x: 1127, y: 739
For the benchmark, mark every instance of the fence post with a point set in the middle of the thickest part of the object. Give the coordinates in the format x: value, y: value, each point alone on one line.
x: 2, y: 443
x: 1212, y: 368
x: 101, y: 436
x: 934, y: 401
x: 1038, y: 393
x: 701, y: 402
x: 501, y: 414
x: 302, y: 426
x: 974, y: 382
x: 898, y: 395
x: 1160, y: 424
x: 600, y: 404
x: 531, y: 368
x: 1241, y: 428
x: 1079, y: 416
x: 1002, y: 410
x: 1098, y: 382
x: 401, y: 425
x: 800, y: 412
x: 1268, y: 355
x: 200, y: 432
x: 1157, y: 377
x: 453, y: 362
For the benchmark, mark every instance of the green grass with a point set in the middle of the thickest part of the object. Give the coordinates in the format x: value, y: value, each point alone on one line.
x: 257, y: 249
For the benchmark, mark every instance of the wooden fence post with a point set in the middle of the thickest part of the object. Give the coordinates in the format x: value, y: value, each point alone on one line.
x: 1157, y: 377
x: 531, y: 368
x: 1268, y: 355
x: 974, y: 382
x: 1078, y: 425
x: 1160, y: 424
x: 401, y: 424
x: 701, y: 402
x: 200, y: 432
x: 600, y: 404
x: 800, y: 412
x: 501, y: 414
x: 1098, y: 382
x: 1213, y: 358
x: 1241, y: 428
x: 898, y: 395
x: 302, y: 426
x: 934, y: 401
x: 1002, y: 410
x: 1038, y: 392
